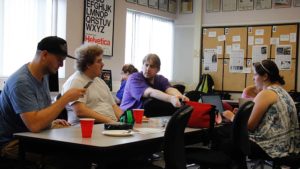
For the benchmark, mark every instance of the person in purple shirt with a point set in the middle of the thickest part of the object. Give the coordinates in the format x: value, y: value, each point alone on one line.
x: 127, y: 70
x: 148, y: 84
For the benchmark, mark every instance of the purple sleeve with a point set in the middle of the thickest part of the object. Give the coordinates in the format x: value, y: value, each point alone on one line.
x: 137, y: 86
x: 134, y: 90
x: 161, y: 83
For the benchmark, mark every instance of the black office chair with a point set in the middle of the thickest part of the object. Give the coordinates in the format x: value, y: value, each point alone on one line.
x: 293, y: 161
x: 64, y: 112
x: 179, y: 87
x: 173, y: 146
x: 208, y: 158
x: 194, y: 95
x: 155, y: 108
x: 174, y: 152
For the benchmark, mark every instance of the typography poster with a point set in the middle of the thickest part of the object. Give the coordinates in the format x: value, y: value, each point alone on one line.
x: 99, y: 24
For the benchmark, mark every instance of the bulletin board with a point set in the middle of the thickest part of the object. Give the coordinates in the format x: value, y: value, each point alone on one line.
x: 287, y: 37
x: 236, y: 40
x: 238, y: 47
x: 213, y: 37
x: 258, y: 38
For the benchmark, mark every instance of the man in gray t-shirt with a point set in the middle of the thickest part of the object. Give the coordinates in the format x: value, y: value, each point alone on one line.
x: 98, y: 103
x: 25, y: 103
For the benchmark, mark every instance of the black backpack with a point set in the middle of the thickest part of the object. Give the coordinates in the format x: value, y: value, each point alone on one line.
x: 206, y: 84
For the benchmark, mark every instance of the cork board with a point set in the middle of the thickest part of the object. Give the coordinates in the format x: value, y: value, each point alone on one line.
x: 245, y: 37
x: 214, y: 39
x: 234, y: 82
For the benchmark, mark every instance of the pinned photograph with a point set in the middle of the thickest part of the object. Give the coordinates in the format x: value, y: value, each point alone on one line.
x: 263, y: 4
x: 213, y: 5
x: 285, y: 65
x: 296, y: 3
x: 245, y: 5
x: 229, y: 5
x: 131, y: 1
x: 143, y: 2
x: 283, y: 57
x: 281, y: 3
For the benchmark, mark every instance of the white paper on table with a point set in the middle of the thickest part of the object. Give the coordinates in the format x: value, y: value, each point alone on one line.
x: 293, y: 37
x: 250, y: 40
x: 149, y: 130
x: 284, y: 37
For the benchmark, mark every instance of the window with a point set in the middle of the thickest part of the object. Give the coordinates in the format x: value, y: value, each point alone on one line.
x: 23, y: 23
x: 149, y: 34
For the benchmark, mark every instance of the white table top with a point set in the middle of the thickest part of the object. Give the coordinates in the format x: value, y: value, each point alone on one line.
x: 72, y: 135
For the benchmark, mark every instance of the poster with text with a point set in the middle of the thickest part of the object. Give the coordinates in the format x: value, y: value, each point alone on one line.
x: 99, y: 24
x: 236, y: 63
x: 210, y: 60
x: 283, y: 57
x: 259, y: 53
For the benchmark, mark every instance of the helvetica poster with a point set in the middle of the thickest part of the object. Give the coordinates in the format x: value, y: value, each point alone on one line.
x: 99, y: 24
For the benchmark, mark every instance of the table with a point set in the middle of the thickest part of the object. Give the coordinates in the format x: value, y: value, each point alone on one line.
x: 233, y: 103
x: 99, y: 148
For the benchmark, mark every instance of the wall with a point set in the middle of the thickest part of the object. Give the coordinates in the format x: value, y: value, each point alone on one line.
x: 267, y: 16
x: 187, y: 34
x: 187, y: 47
x: 254, y: 17
x: 74, y: 34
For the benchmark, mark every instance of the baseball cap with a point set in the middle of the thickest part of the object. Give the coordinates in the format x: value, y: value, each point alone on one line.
x: 55, y: 45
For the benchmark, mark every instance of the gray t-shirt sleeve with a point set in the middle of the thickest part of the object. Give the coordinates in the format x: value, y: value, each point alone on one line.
x: 27, y: 97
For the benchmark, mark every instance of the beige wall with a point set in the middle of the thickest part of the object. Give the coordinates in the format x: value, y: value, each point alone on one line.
x: 254, y: 17
x: 74, y: 33
x: 187, y: 34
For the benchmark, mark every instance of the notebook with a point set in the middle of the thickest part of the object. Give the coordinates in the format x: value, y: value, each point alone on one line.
x: 213, y: 99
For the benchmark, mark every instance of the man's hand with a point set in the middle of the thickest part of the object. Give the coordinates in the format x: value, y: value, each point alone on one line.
x: 74, y: 94
x: 59, y: 123
x: 175, y: 101
x: 184, y: 98
x: 229, y: 115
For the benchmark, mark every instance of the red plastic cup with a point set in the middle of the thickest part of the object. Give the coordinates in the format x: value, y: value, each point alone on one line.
x: 86, y: 127
x: 138, y: 115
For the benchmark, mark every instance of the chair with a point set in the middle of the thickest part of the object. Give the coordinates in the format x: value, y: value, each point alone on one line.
x: 293, y: 161
x: 154, y: 108
x: 173, y: 146
x: 208, y: 158
x: 194, y: 95
x: 179, y: 87
x: 7, y: 163
x: 64, y: 112
x: 174, y: 152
